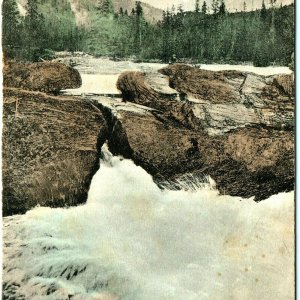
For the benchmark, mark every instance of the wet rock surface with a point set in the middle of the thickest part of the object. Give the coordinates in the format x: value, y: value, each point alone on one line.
x: 245, y: 162
x: 50, y: 149
x: 235, y: 127
x: 215, y: 102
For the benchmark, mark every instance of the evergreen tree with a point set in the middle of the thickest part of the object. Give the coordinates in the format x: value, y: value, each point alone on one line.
x: 35, y: 32
x: 106, y: 7
x: 10, y: 26
x: 204, y: 8
x: 222, y: 8
x: 215, y: 6
x: 263, y: 12
x: 180, y: 9
x: 173, y: 10
x: 261, y: 54
x: 263, y: 36
x: 197, y: 6
x: 138, y: 8
x: 138, y: 30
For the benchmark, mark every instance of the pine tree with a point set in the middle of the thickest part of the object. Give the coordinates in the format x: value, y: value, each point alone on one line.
x: 180, y: 9
x: 222, y: 8
x: 10, y: 25
x: 138, y: 30
x: 263, y: 12
x: 138, y: 8
x: 106, y: 7
x: 35, y: 31
x: 197, y: 6
x: 215, y: 6
x: 204, y: 8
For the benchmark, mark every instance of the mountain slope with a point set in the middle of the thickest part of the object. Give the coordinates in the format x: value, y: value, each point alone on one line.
x: 232, y: 5
x: 151, y: 13
x: 80, y: 9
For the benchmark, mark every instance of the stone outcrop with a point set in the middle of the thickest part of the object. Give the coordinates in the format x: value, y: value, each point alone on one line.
x: 215, y: 102
x: 49, y: 77
x: 245, y: 162
x: 50, y: 149
x: 236, y: 127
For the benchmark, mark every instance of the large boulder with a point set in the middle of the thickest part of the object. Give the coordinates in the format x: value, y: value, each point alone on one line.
x: 245, y: 162
x: 49, y: 77
x: 50, y: 149
x: 215, y: 102
x: 236, y: 127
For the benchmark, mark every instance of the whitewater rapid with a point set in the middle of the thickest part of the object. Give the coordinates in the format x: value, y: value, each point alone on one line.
x: 100, y: 75
x: 134, y: 241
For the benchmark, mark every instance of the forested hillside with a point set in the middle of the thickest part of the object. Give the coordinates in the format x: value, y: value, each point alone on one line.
x: 264, y: 36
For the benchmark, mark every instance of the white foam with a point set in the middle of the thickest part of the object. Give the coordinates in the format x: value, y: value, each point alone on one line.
x: 264, y: 71
x: 134, y: 241
x: 99, y: 84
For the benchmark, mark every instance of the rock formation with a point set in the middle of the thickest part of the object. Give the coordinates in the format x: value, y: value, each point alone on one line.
x: 236, y: 127
x: 245, y: 162
x: 50, y: 149
x: 49, y: 77
x: 215, y: 102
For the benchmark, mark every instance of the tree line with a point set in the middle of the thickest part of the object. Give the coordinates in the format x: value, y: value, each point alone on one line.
x: 263, y: 36
x: 49, y: 25
x: 207, y: 34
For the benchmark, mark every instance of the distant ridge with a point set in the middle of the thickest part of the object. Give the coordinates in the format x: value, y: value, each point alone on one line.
x: 232, y: 5
x: 151, y: 13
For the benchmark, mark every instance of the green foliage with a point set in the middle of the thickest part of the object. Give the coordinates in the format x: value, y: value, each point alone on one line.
x: 257, y: 36
x: 204, y: 8
x: 10, y: 27
x: 197, y: 6
x: 263, y: 37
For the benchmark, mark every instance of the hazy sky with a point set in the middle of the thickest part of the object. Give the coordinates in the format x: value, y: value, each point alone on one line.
x: 188, y: 4
x: 231, y: 4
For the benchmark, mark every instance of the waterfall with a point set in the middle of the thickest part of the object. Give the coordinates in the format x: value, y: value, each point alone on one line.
x: 134, y: 241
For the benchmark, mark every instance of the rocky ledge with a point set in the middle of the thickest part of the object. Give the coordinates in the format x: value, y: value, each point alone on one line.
x: 48, y: 77
x: 50, y: 149
x: 247, y: 162
x: 215, y: 102
x: 235, y: 127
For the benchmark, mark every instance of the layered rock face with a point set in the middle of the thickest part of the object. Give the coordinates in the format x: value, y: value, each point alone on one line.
x: 235, y: 127
x: 49, y: 77
x: 215, y: 102
x: 245, y: 162
x: 50, y: 149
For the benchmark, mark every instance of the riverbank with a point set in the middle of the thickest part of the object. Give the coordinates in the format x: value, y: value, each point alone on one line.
x: 190, y: 120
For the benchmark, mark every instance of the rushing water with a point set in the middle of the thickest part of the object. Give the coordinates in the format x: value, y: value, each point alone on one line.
x: 134, y: 241
x: 99, y: 76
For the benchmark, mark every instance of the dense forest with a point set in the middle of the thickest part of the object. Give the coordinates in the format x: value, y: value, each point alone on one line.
x: 207, y: 34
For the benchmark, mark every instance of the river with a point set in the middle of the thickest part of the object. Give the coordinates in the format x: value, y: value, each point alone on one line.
x: 134, y: 241
x: 99, y: 76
